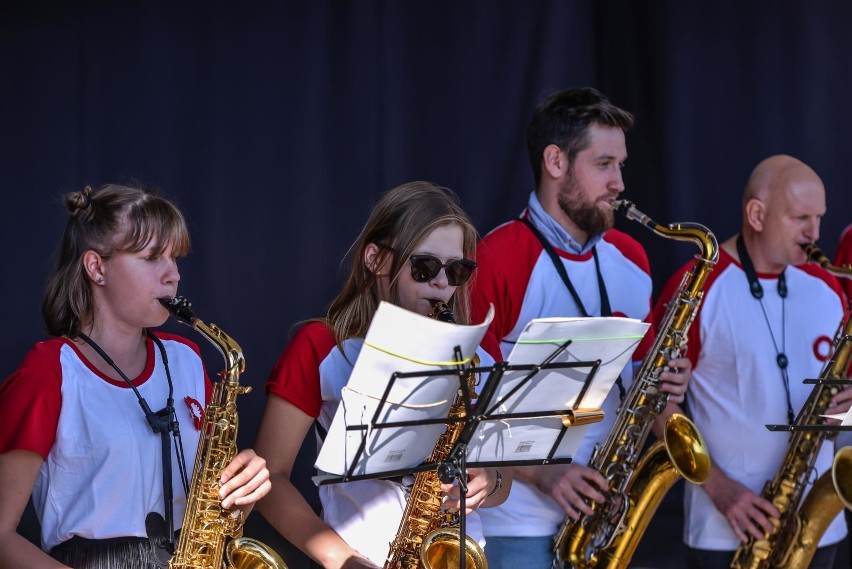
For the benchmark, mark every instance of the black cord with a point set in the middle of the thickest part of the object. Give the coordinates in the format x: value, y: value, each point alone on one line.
x: 162, y: 422
x: 757, y: 292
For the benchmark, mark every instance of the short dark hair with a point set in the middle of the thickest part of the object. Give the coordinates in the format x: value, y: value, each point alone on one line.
x: 563, y: 118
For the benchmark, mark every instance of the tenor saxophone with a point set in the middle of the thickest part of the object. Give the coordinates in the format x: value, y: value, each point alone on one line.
x: 428, y: 537
x: 206, y: 525
x: 608, y: 537
x: 804, y: 518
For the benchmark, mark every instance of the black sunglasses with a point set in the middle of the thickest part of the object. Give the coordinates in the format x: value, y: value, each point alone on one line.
x: 424, y: 268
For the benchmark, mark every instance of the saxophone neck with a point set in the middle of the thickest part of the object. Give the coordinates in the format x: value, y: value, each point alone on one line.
x: 688, y: 231
x: 181, y: 309
x: 815, y: 255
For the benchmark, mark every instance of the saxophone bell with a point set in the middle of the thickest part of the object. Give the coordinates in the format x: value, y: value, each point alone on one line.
x: 841, y: 476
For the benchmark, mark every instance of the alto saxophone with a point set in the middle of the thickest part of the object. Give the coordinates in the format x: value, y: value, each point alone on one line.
x: 609, y: 536
x: 428, y: 538
x: 206, y: 525
x: 794, y: 539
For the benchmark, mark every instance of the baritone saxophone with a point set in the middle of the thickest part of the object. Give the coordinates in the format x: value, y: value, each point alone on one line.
x: 206, y: 525
x: 795, y: 537
x: 428, y: 537
x: 637, y: 483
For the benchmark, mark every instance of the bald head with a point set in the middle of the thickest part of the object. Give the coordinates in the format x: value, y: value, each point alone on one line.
x: 777, y: 175
x: 783, y: 204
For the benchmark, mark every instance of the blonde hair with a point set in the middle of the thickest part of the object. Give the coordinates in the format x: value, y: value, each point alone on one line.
x: 108, y: 220
x: 400, y: 220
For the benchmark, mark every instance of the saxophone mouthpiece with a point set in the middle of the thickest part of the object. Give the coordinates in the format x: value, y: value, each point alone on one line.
x: 180, y: 308
x: 815, y: 255
x: 442, y: 312
x: 622, y: 206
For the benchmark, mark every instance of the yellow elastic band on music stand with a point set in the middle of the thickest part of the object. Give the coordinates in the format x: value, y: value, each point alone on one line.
x: 421, y: 362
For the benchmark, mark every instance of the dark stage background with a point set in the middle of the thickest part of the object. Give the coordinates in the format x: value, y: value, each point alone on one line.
x: 276, y: 125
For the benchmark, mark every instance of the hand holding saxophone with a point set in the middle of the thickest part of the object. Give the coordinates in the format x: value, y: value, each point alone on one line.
x: 747, y: 513
x: 572, y: 486
x: 675, y: 380
x: 482, y: 485
x: 244, y: 481
x: 840, y: 403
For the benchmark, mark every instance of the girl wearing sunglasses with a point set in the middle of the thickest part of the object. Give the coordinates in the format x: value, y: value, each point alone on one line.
x: 415, y: 249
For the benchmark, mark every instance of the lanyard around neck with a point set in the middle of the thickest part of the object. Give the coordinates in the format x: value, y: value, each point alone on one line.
x: 163, y: 422
x: 606, y: 309
x: 757, y: 292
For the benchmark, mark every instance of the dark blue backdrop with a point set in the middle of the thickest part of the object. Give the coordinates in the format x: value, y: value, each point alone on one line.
x: 276, y: 125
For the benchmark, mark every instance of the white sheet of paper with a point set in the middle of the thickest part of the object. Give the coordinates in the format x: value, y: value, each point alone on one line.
x: 397, y: 341
x: 844, y: 418
x: 611, y: 340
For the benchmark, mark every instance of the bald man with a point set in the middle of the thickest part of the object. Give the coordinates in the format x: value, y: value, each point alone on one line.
x: 765, y: 325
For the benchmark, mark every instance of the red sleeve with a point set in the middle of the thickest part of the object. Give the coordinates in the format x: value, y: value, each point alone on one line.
x: 31, y: 399
x: 693, y: 338
x: 505, y: 259
x: 491, y: 346
x: 844, y: 257
x: 630, y: 248
x: 296, y: 375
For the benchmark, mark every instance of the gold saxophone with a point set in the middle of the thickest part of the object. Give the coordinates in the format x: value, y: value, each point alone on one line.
x: 795, y: 537
x: 429, y: 537
x: 609, y: 536
x: 206, y: 525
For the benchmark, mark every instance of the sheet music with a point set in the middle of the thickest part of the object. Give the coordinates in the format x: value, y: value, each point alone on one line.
x: 844, y: 418
x: 609, y: 340
x: 397, y: 341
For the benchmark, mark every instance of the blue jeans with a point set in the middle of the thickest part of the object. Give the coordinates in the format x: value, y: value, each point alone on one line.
x: 517, y: 552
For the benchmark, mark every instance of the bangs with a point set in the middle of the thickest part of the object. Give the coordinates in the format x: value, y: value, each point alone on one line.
x: 155, y: 220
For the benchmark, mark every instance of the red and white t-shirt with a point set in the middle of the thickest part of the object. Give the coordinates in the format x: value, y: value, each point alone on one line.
x: 518, y: 277
x: 311, y: 374
x: 102, y: 470
x: 737, y: 387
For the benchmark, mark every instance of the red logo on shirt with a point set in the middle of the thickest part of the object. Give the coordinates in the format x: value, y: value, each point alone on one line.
x: 822, y: 348
x: 196, y: 411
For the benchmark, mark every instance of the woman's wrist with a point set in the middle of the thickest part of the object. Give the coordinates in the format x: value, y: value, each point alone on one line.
x: 498, y: 484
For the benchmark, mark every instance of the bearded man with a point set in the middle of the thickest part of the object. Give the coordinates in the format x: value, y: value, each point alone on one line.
x: 562, y: 258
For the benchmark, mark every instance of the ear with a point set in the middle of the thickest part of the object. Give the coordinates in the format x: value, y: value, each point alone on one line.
x: 93, y: 264
x: 554, y: 161
x: 755, y: 213
x: 372, y: 258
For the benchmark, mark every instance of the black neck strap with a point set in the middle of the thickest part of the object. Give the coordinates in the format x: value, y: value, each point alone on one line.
x: 757, y: 292
x: 606, y: 309
x: 162, y: 422
x: 748, y: 268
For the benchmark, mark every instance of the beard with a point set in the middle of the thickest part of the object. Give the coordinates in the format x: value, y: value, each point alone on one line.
x: 586, y: 215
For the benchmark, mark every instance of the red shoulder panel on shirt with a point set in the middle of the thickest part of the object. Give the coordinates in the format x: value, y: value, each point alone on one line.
x: 31, y: 399
x: 630, y: 248
x: 296, y: 375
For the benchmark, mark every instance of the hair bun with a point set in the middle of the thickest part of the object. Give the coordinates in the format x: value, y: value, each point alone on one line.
x: 79, y: 201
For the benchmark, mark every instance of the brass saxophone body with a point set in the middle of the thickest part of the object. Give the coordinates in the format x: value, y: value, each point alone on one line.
x: 428, y: 537
x: 804, y: 518
x: 637, y: 484
x: 206, y: 525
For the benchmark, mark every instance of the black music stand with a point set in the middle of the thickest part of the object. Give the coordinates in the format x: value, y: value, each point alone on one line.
x: 822, y: 427
x: 485, y: 412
